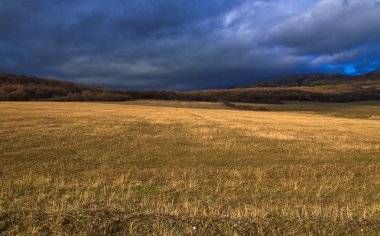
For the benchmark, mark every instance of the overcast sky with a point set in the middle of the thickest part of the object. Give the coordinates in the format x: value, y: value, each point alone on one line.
x: 187, y: 44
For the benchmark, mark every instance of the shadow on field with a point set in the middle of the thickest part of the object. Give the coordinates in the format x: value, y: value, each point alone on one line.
x: 119, y: 223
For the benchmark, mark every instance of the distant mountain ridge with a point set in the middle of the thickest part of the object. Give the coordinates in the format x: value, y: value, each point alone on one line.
x: 314, y: 80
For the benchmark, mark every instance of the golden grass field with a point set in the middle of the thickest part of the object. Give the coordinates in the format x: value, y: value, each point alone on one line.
x: 188, y: 168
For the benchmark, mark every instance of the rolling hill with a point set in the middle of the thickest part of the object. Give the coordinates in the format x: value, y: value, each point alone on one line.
x: 312, y: 87
x: 316, y: 80
x: 24, y: 88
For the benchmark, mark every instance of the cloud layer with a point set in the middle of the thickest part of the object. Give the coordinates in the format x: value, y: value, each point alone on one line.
x: 182, y: 44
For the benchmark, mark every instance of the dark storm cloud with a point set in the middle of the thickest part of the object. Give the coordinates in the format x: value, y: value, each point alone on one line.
x: 181, y: 44
x: 146, y: 18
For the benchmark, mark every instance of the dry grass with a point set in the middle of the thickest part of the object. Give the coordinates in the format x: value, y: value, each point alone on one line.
x: 93, y: 168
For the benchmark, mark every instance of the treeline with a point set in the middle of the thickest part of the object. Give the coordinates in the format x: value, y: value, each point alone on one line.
x: 277, y: 95
x: 262, y: 95
x: 23, y: 88
x: 45, y: 93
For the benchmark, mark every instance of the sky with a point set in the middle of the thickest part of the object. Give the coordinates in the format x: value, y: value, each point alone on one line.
x: 187, y: 44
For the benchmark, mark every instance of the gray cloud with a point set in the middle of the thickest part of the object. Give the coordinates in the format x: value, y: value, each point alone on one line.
x: 331, y: 26
x: 181, y: 44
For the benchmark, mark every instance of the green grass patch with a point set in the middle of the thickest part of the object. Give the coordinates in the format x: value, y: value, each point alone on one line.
x: 363, y: 159
x: 146, y: 189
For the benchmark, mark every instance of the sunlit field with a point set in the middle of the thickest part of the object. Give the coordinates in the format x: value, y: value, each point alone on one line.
x: 188, y: 168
